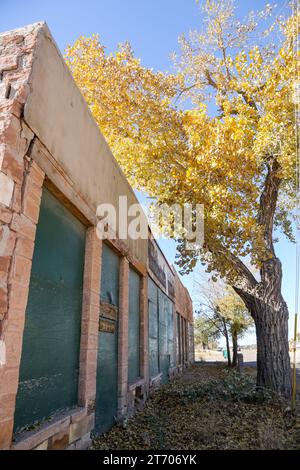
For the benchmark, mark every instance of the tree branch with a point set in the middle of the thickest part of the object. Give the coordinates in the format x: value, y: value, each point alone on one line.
x: 268, y: 202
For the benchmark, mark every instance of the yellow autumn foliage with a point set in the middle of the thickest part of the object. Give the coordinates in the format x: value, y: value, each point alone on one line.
x: 218, y: 159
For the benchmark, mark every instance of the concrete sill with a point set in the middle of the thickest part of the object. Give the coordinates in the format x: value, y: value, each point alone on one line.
x: 27, y: 440
x: 136, y: 384
x: 156, y: 378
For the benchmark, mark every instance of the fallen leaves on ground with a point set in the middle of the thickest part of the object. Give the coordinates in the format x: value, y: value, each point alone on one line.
x: 208, y: 407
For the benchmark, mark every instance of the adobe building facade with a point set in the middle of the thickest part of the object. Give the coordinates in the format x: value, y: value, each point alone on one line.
x: 87, y: 327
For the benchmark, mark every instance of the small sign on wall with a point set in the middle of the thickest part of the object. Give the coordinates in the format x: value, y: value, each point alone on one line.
x: 108, y: 311
x: 107, y: 326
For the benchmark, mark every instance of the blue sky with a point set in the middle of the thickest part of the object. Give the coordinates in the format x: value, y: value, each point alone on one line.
x: 152, y: 27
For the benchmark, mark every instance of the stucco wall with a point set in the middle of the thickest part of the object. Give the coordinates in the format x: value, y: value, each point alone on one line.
x: 57, y: 113
x: 183, y: 301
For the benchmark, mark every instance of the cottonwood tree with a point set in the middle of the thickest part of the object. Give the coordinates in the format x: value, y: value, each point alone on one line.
x: 236, y: 315
x: 238, y: 161
x: 205, y: 332
x: 222, y: 313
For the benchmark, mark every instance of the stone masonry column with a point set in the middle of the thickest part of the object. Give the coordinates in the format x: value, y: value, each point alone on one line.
x: 90, y: 320
x: 123, y: 337
x: 20, y: 193
x: 17, y: 245
x: 144, y: 342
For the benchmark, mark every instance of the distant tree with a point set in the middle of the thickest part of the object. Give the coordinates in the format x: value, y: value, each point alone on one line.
x: 205, y: 332
x: 221, y: 312
x: 237, y: 317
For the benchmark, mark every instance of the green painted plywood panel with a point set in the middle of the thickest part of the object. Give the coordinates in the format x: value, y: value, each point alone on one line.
x: 166, y: 335
x: 50, y: 354
x: 107, y: 365
x: 153, y: 340
x: 134, y: 327
x: 169, y: 307
x: 153, y: 328
x: 110, y: 276
x: 179, y: 342
x: 164, y: 359
x: 107, y: 385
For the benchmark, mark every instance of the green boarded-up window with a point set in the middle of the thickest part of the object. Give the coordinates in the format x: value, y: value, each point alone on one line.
x: 110, y: 276
x: 107, y: 364
x: 179, y: 341
x: 169, y: 307
x: 50, y: 354
x: 164, y: 358
x: 185, y: 339
x: 134, y: 327
x: 153, y: 328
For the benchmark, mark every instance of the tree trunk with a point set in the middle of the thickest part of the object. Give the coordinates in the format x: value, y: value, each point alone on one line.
x: 273, y: 360
x: 234, y: 348
x: 227, y: 343
x: 270, y: 314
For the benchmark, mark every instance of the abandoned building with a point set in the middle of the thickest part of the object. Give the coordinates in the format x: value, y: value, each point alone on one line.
x: 87, y: 327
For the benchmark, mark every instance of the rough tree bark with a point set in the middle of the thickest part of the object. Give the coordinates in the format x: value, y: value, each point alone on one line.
x: 234, y: 348
x: 227, y: 342
x: 264, y: 299
x: 270, y: 314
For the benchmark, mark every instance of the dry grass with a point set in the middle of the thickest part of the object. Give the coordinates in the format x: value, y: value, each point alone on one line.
x: 208, y: 408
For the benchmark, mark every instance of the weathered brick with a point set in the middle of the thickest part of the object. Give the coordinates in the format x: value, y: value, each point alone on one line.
x: 4, y: 263
x: 13, y: 167
x: 3, y: 300
x: 90, y: 355
x: 60, y: 440
x: 13, y: 343
x: 10, y: 131
x: 31, y: 208
x: 24, y: 226
x: 87, y: 389
x: 90, y: 312
x: 6, y: 429
x: 89, y: 327
x: 8, y: 62
x: 7, y: 405
x: 15, y: 321
x: 6, y: 189
x: 87, y: 372
x: 5, y: 214
x: 89, y: 341
x: 21, y: 269
x: 32, y: 190
x: 42, y: 446
x: 18, y: 296
x: 9, y: 381
x: 34, y: 438
x: 78, y: 415
x: 7, y: 241
x: 17, y: 198
x: 24, y: 247
x: 84, y: 442
x: 81, y: 428
x: 91, y: 298
x: 22, y: 94
x: 36, y: 174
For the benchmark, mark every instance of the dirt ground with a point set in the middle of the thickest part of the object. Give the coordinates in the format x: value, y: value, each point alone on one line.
x: 208, y: 407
